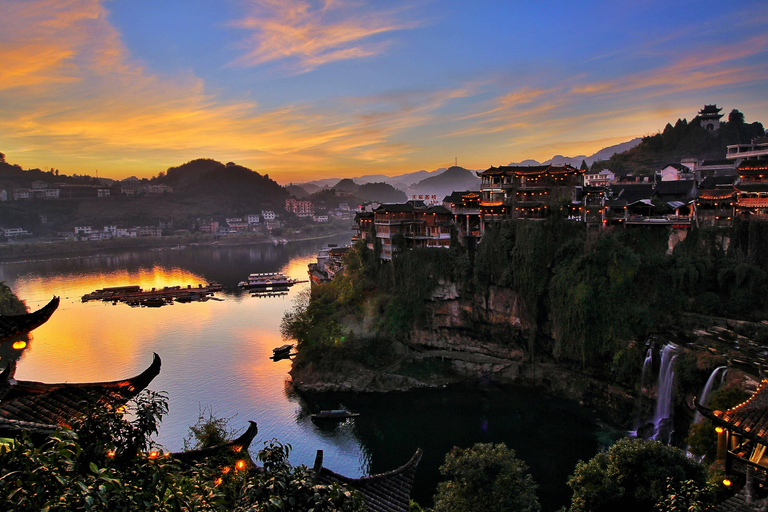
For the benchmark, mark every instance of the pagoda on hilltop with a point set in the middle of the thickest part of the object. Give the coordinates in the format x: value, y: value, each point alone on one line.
x: 710, y: 117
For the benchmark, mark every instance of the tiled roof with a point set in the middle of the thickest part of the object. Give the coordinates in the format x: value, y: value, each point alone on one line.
x: 752, y: 187
x: 239, y: 445
x: 27, y: 405
x: 749, y: 418
x: 715, y: 181
x: 385, y: 492
x: 750, y: 166
x: 393, y: 208
x: 717, y: 193
x: 675, y: 187
x: 15, y: 325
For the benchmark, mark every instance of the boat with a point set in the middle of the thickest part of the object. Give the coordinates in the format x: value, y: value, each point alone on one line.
x: 283, y: 349
x: 268, y: 280
x: 334, y: 414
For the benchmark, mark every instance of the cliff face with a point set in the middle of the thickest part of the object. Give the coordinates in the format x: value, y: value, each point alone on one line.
x: 465, y: 339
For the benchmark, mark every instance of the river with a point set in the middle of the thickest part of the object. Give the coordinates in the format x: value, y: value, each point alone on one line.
x: 215, y: 357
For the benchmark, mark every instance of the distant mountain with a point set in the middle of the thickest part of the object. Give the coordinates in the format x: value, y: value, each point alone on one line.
x: 603, y: 154
x: 379, y: 192
x: 400, y: 182
x: 452, y: 179
x: 296, y: 191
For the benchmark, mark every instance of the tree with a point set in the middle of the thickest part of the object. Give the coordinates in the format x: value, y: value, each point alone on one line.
x: 686, y: 496
x: 9, y: 302
x: 736, y: 118
x: 485, y: 478
x: 631, y: 476
x: 584, y: 166
x: 108, y: 463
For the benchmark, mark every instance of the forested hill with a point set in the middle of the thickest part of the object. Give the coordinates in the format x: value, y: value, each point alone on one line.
x: 684, y: 140
x: 235, y: 183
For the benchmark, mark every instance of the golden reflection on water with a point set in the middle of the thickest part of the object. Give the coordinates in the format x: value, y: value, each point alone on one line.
x: 215, y: 354
x: 93, y: 341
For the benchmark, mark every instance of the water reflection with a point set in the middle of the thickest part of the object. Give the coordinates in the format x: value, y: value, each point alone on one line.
x: 216, y: 355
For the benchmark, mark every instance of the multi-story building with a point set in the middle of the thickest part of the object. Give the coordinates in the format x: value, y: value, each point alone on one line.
x: 710, y: 117
x: 758, y: 148
x: 299, y: 207
x: 419, y: 226
x: 715, y: 202
x: 465, y: 208
x: 525, y: 192
x: 752, y: 188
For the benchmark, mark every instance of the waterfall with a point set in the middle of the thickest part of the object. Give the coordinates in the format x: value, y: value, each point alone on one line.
x: 663, y: 413
x: 707, y: 389
x: 647, y: 366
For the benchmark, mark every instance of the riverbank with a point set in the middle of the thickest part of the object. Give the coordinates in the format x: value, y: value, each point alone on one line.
x: 441, y: 368
x: 11, y: 252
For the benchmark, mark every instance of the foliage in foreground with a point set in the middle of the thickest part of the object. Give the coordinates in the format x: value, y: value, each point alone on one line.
x: 485, y: 478
x: 10, y: 304
x: 106, y: 462
x: 633, y: 476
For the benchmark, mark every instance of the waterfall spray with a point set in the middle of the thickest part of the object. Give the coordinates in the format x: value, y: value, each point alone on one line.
x: 663, y: 411
x: 707, y: 388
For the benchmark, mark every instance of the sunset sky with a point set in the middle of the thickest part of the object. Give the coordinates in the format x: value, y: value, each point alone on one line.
x: 302, y: 90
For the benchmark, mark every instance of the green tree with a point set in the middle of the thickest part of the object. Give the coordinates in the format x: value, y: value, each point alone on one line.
x: 631, y: 476
x: 687, y: 496
x: 10, y: 304
x: 106, y: 462
x: 485, y: 478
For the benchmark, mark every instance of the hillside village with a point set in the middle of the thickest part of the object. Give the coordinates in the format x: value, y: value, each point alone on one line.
x: 691, y: 192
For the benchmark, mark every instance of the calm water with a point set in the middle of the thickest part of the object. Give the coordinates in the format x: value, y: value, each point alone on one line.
x: 216, y: 355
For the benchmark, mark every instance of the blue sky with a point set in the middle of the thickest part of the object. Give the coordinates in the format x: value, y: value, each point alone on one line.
x: 302, y: 90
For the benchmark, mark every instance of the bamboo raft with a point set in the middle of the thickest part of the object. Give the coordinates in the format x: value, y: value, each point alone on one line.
x: 135, y: 296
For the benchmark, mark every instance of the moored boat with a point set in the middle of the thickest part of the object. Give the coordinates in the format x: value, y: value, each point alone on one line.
x: 268, y: 280
x: 334, y: 414
x: 283, y: 349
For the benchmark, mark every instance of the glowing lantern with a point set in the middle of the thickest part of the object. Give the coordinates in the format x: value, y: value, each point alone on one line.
x: 153, y: 455
x: 225, y: 470
x: 240, y: 465
x: 218, y: 481
x: 110, y: 454
x: 19, y: 345
x: 727, y: 482
x: 719, y: 430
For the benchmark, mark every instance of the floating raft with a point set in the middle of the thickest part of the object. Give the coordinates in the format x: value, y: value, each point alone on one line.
x: 135, y: 296
x: 334, y: 414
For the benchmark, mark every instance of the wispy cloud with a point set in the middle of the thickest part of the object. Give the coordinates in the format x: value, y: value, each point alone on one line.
x: 310, y: 34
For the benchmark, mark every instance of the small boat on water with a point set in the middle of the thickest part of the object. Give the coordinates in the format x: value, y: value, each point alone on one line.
x: 269, y: 280
x: 283, y: 349
x: 334, y: 414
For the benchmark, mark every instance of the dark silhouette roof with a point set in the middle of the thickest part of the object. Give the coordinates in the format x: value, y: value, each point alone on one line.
x: 239, y: 445
x: 385, y: 492
x: 750, y: 418
x: 721, y: 181
x: 632, y: 193
x: 676, y: 188
x: 42, y: 408
x: 16, y: 325
x: 721, y: 162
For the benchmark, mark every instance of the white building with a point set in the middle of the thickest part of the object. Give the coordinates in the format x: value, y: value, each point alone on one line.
x: 599, y: 179
x: 253, y: 218
x: 268, y: 215
x: 12, y: 232
x: 21, y: 193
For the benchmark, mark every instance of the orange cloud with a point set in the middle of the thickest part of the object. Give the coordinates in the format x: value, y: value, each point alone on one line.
x: 283, y: 29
